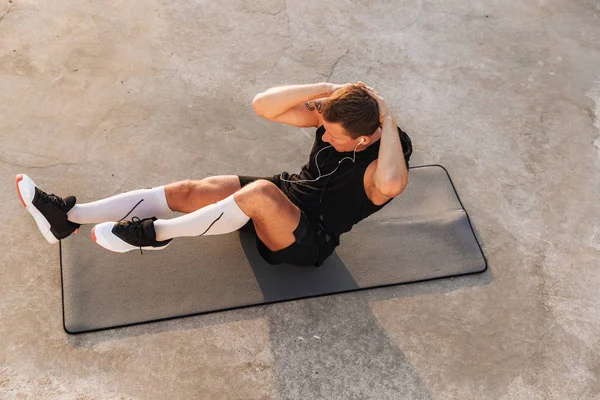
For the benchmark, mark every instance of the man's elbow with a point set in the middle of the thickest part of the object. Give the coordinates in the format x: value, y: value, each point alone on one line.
x: 393, y: 188
x: 257, y: 105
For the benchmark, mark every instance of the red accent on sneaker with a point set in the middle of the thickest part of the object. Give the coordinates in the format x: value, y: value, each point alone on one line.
x: 19, y: 179
x: 93, y: 234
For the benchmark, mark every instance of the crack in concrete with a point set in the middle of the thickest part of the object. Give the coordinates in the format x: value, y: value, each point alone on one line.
x: 6, y: 13
x: 594, y: 95
x: 289, y: 35
x: 336, y: 63
x: 287, y: 16
x: 3, y: 161
x: 28, y: 152
x: 273, y: 14
x: 281, y: 56
x: 416, y: 18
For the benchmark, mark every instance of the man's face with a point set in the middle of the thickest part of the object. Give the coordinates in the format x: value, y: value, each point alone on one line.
x: 338, y: 138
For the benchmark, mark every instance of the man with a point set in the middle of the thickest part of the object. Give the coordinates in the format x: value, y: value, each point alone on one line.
x: 358, y: 163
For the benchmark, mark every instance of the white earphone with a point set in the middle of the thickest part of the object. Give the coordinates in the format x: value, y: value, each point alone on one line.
x: 317, y: 164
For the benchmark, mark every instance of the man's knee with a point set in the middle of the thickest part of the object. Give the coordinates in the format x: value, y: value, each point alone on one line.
x: 261, y: 196
x: 264, y: 188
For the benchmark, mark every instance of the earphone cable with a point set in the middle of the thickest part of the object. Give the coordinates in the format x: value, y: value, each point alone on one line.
x: 353, y: 159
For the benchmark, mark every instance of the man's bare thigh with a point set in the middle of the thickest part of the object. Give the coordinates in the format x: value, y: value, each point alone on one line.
x: 191, y: 195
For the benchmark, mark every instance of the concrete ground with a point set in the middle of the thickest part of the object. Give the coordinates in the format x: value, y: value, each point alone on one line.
x: 123, y: 95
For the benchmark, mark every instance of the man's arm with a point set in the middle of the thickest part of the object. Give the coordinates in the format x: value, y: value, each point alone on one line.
x: 390, y: 175
x: 278, y: 100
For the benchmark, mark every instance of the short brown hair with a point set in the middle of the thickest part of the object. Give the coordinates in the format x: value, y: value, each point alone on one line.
x: 353, y: 108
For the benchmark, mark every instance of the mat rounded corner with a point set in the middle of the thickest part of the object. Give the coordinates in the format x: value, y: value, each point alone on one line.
x: 442, y: 168
x: 429, y: 165
x: 68, y: 331
x: 485, y: 262
x: 435, y: 165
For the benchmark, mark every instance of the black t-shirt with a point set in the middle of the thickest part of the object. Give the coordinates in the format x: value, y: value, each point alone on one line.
x: 338, y: 200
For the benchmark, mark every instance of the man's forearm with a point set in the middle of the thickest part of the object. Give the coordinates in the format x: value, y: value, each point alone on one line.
x: 391, y: 173
x: 278, y: 100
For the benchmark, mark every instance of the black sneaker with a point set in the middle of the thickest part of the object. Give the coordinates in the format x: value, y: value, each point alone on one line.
x: 125, y: 236
x: 48, y: 210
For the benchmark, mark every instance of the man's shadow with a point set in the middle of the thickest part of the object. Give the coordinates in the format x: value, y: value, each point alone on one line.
x: 286, y: 281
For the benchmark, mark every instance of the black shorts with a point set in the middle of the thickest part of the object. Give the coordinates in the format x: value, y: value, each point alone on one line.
x: 313, y: 243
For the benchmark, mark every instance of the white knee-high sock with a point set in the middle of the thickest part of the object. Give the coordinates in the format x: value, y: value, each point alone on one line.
x: 222, y: 217
x: 142, y: 203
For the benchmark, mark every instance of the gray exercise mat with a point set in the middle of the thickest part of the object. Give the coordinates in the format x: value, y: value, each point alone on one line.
x: 422, y: 234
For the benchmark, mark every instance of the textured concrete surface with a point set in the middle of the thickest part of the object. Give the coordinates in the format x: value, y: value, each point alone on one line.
x: 125, y: 95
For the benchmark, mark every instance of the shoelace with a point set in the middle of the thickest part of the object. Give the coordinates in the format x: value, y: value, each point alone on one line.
x: 135, y: 227
x: 53, y: 199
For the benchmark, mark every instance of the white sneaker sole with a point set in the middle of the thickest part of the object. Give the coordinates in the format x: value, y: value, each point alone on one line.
x: 103, y: 236
x: 26, y: 190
